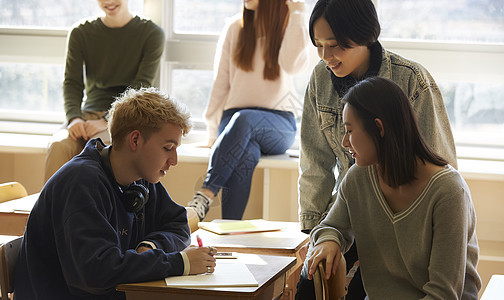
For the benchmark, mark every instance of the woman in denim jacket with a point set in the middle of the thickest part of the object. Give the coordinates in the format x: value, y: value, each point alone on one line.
x: 345, y: 33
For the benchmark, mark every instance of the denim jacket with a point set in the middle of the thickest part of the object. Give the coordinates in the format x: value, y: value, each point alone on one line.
x: 324, y: 161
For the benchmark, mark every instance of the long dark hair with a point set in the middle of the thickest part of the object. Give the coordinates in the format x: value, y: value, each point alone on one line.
x: 381, y: 98
x: 350, y: 20
x: 271, y: 21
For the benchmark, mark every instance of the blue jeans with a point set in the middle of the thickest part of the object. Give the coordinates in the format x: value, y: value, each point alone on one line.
x: 244, y: 135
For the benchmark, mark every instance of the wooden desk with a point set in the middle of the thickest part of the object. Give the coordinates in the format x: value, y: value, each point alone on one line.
x: 494, y: 289
x: 14, y: 214
x: 286, y: 242
x: 269, y: 271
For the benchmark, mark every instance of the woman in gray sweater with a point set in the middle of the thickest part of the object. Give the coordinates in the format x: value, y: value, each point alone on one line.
x: 410, y: 212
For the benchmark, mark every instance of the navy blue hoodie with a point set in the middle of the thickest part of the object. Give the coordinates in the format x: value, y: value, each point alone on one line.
x: 80, y: 240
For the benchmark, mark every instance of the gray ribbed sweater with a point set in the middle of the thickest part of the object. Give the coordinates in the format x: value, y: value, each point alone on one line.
x: 427, y: 251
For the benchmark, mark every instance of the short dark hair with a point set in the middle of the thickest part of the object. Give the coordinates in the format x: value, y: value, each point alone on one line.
x: 381, y: 98
x: 350, y: 20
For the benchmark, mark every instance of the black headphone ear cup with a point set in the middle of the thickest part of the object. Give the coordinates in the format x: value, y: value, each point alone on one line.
x: 135, y: 197
x: 105, y: 160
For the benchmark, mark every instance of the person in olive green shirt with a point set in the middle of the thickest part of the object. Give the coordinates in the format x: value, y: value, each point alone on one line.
x: 113, y: 52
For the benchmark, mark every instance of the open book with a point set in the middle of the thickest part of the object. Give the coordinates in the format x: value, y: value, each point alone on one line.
x: 225, y: 275
x: 239, y: 227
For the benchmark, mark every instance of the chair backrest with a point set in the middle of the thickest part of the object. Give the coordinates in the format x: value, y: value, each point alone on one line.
x: 192, y: 219
x: 335, y: 287
x: 9, y: 252
x: 11, y: 190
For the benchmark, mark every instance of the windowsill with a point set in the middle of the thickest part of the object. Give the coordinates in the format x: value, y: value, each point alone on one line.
x: 23, y: 143
x: 491, y: 250
x: 37, y: 144
x: 29, y: 128
x: 479, y: 169
x: 193, y: 154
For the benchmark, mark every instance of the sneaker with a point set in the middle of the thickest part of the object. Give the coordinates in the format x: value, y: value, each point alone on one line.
x: 201, y: 204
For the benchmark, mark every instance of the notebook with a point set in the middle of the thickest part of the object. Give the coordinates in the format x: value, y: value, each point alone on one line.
x: 240, y: 227
x: 225, y: 275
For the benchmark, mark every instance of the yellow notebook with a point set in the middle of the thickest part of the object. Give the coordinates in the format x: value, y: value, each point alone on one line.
x: 240, y: 227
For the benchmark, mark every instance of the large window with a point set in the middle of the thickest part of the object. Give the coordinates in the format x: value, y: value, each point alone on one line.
x: 461, y: 42
x: 197, y: 24
x: 34, y: 86
x: 193, y: 87
x: 33, y: 35
x: 51, y: 13
x: 202, y: 16
x: 475, y: 21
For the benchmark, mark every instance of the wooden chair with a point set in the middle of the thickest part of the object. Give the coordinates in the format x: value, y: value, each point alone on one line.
x: 192, y: 219
x: 335, y: 287
x: 11, y: 190
x: 9, y: 251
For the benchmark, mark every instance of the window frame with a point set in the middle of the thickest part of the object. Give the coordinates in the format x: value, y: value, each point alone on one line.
x: 444, y: 60
x: 16, y: 46
x: 478, y: 62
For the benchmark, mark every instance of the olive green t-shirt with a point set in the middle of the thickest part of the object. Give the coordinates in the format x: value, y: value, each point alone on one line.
x: 111, y: 59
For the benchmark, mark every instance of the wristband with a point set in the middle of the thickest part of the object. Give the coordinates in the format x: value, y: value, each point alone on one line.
x: 147, y: 244
x: 144, y: 245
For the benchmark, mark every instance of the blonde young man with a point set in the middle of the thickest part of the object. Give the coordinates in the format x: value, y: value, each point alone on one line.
x: 104, y: 218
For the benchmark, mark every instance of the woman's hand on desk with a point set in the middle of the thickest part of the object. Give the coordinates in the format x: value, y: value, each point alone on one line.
x: 330, y: 252
x: 201, y: 259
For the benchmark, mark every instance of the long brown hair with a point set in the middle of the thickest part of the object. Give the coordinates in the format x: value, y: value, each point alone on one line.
x: 271, y: 21
x: 381, y: 98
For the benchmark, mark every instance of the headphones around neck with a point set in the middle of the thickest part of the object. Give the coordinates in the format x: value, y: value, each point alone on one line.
x: 135, y: 196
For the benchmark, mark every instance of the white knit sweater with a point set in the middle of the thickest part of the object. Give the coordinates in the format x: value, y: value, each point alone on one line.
x: 236, y: 88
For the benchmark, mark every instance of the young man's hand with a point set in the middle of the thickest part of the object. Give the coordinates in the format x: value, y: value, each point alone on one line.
x: 76, y: 129
x: 201, y: 259
x: 142, y: 249
x: 94, y: 127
